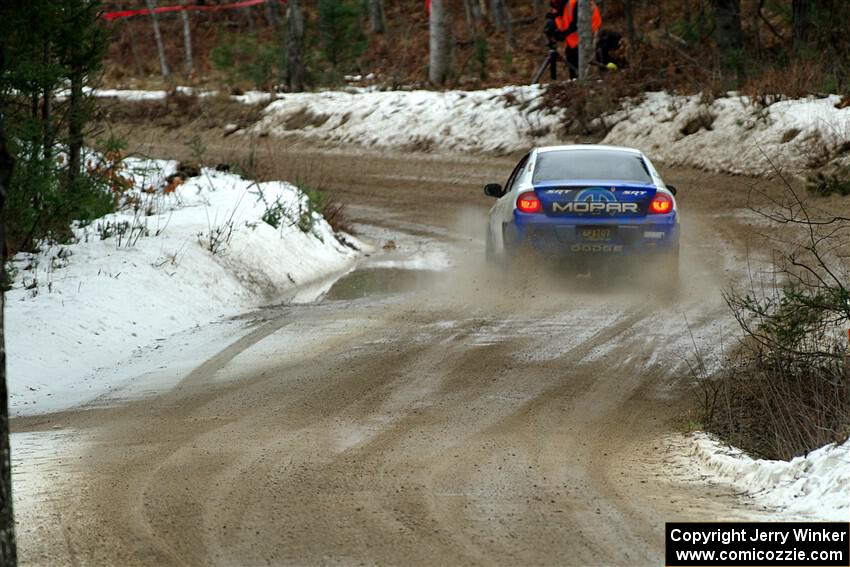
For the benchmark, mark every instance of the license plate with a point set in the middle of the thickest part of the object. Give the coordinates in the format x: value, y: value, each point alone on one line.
x: 596, y: 234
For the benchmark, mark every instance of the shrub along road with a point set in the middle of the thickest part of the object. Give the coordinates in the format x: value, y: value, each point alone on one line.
x: 462, y: 417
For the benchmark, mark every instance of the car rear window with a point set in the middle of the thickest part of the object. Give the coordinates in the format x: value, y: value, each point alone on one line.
x: 597, y: 165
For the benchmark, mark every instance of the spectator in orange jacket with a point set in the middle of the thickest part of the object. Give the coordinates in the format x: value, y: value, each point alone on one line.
x: 562, y: 25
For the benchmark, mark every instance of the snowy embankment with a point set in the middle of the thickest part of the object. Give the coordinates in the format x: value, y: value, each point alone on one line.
x: 733, y: 135
x: 166, y: 262
x: 814, y: 487
x: 728, y: 135
x: 493, y: 120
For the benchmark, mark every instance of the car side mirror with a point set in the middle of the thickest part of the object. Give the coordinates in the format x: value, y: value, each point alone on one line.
x: 493, y: 190
x: 672, y: 189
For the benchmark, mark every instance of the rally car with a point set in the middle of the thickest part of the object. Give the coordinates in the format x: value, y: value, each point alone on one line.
x: 589, y: 207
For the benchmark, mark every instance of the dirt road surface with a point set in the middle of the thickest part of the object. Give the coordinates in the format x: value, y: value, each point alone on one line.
x: 411, y: 416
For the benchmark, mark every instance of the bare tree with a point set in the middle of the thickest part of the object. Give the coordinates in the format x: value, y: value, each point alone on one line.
x: 585, y: 38
x: 472, y: 11
x: 728, y: 35
x: 629, y: 15
x: 295, y: 46
x: 377, y: 19
x: 8, y: 546
x: 272, y: 14
x: 802, y: 16
x: 497, y: 14
x: 187, y: 40
x: 249, y: 17
x: 500, y: 17
x: 438, y: 44
x: 160, y: 49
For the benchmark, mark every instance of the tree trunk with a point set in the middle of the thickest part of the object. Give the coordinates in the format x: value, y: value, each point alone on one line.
x: 802, y: 18
x: 472, y: 11
x: 187, y: 41
x: 728, y: 35
x: 140, y: 69
x: 46, y: 126
x: 295, y: 47
x: 508, y: 23
x: 46, y: 108
x: 8, y: 547
x: 377, y: 19
x: 76, y: 119
x: 249, y: 17
x: 585, y: 38
x: 272, y: 14
x: 160, y: 48
x: 498, y: 13
x: 438, y: 43
x: 629, y: 15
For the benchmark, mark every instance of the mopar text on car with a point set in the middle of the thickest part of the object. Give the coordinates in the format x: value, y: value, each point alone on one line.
x: 587, y: 207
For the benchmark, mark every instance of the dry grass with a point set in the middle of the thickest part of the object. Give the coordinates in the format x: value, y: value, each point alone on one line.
x: 180, y: 110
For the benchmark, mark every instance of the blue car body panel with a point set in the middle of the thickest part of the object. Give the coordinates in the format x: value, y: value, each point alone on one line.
x: 590, y: 217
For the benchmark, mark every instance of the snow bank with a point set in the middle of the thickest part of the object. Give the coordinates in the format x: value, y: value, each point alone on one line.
x: 136, y: 277
x: 138, y: 95
x: 814, y: 487
x: 494, y: 120
x: 729, y: 134
x: 733, y: 135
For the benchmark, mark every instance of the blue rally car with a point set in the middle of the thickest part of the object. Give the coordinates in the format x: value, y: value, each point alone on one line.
x: 586, y: 206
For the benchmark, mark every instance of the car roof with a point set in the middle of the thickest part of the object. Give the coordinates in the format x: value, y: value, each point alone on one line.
x: 597, y: 147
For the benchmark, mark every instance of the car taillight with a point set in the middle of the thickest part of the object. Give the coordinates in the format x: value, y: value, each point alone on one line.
x: 661, y: 204
x: 529, y: 203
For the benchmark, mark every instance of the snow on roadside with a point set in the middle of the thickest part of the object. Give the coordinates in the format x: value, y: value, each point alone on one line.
x: 731, y: 134
x: 185, y: 259
x: 814, y: 487
x: 494, y: 120
x: 139, y: 95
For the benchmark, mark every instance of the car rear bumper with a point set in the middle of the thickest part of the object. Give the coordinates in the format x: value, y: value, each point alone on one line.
x: 576, y: 236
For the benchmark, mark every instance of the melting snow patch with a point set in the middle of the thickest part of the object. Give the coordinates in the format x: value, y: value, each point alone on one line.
x: 814, y: 487
x: 500, y: 120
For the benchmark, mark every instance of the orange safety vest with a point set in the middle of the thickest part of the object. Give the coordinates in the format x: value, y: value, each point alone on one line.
x: 565, y: 20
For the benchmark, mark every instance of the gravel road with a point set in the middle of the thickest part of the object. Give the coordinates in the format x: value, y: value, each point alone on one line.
x: 411, y: 416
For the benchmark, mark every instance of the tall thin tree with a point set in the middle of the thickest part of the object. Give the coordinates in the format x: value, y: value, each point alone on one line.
x: 500, y: 17
x: 438, y: 43
x: 377, y: 18
x: 294, y: 46
x: 8, y: 546
x: 801, y: 11
x: 629, y: 15
x: 728, y: 35
x: 585, y: 37
x: 187, y: 40
x: 84, y: 42
x: 160, y: 48
x: 272, y: 14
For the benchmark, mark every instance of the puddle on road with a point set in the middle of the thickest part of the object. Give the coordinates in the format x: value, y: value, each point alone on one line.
x: 380, y: 281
